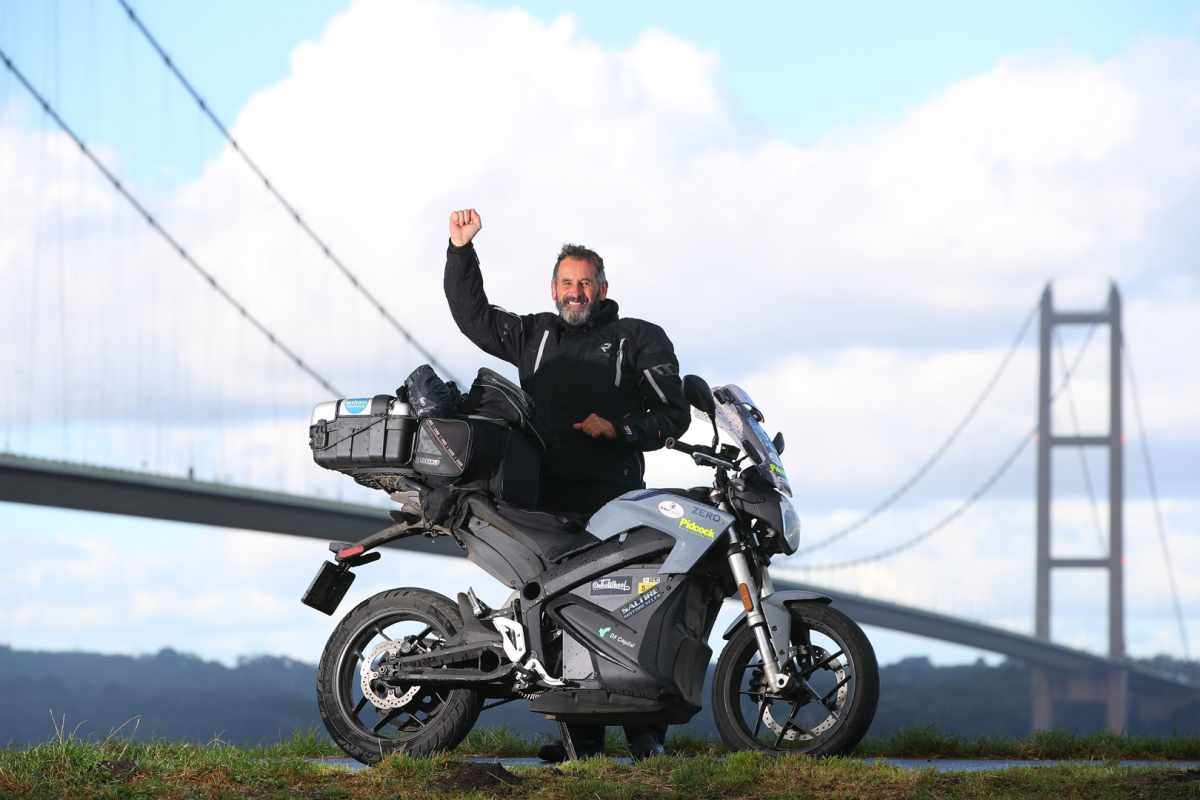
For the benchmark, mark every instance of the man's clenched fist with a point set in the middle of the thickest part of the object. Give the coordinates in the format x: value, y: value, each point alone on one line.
x: 463, y: 226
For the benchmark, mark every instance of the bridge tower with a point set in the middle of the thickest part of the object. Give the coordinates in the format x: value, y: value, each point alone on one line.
x: 1112, y: 688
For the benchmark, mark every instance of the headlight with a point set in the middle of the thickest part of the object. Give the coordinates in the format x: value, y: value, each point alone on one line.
x: 791, y: 526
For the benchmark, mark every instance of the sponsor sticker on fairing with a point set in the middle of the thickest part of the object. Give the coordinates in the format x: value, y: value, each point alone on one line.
x: 669, y: 508
x: 641, y: 602
x: 648, y: 582
x: 608, y: 634
x: 613, y: 584
x: 707, y: 533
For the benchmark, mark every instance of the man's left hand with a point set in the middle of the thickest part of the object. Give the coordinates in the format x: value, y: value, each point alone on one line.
x: 597, y: 427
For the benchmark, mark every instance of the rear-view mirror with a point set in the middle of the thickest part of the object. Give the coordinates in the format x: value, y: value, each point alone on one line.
x: 696, y: 390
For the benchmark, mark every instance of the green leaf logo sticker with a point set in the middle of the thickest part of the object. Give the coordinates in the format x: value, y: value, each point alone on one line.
x: 603, y: 632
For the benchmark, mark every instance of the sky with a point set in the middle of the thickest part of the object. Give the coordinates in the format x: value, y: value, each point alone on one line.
x: 850, y: 213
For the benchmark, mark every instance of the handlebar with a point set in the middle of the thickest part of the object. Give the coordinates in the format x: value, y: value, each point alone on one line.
x: 699, y: 453
x: 683, y: 447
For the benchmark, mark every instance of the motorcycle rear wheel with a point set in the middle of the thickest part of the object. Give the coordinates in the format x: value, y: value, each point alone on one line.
x: 832, y: 654
x: 422, y: 721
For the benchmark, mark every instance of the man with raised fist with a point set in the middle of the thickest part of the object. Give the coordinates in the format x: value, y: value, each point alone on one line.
x: 606, y: 388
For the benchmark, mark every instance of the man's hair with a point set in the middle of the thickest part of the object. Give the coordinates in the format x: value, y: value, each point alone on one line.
x: 583, y: 254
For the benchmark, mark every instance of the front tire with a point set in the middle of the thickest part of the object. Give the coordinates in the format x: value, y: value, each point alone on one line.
x: 369, y: 720
x: 837, y: 661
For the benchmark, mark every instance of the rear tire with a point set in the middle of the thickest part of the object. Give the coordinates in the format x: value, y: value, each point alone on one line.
x: 428, y: 721
x: 748, y: 719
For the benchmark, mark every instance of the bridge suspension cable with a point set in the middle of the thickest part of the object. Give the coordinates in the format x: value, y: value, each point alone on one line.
x: 912, y: 481
x: 1158, y: 516
x: 991, y: 481
x: 292, y: 211
x: 171, y: 240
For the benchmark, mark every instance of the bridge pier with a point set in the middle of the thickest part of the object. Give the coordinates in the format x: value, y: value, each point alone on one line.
x: 1109, y: 688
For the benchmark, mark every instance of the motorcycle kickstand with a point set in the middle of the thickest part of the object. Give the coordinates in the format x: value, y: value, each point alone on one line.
x: 568, y: 742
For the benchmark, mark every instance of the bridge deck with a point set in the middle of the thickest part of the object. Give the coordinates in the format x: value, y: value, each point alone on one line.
x: 104, y: 489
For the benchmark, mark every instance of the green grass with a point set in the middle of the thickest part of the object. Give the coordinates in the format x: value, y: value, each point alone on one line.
x: 919, y: 742
x: 928, y: 742
x: 113, y: 769
x: 695, y: 769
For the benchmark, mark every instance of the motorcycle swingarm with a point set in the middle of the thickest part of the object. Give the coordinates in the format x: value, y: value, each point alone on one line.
x: 454, y: 678
x: 446, y: 656
x: 437, y: 668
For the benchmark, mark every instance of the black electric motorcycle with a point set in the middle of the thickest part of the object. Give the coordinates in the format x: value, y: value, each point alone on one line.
x: 608, y: 622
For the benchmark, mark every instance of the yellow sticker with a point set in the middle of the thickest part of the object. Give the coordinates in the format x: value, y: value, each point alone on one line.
x: 696, y: 528
x: 648, y: 583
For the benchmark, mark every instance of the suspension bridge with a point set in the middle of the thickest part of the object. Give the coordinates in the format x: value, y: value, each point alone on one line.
x: 1061, y: 673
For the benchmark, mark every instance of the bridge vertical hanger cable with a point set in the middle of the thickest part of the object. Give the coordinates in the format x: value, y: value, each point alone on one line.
x: 1083, y: 462
x: 904, y: 487
x: 158, y: 228
x: 325, y: 249
x: 64, y: 387
x: 1158, y: 516
x: 983, y: 488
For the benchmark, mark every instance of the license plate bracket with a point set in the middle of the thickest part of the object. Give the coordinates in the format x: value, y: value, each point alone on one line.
x: 328, y: 587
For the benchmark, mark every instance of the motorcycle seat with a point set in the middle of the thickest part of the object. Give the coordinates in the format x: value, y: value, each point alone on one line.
x: 551, y: 536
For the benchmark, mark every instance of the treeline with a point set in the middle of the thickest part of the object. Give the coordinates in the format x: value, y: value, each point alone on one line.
x: 265, y: 699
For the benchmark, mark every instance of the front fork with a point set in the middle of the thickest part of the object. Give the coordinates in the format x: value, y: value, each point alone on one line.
x: 750, y: 594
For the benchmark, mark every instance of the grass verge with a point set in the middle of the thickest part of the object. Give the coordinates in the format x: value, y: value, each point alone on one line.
x: 929, y: 742
x: 158, y: 770
x: 920, y: 742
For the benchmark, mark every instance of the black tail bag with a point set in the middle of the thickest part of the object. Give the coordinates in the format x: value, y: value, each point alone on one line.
x: 479, y: 452
x: 494, y: 396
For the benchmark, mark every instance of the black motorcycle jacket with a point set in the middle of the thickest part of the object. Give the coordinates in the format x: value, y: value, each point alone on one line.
x: 622, y: 369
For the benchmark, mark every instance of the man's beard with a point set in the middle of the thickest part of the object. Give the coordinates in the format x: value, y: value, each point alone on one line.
x: 574, y: 315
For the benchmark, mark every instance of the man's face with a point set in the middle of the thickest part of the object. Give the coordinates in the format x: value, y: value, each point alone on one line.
x: 575, y: 290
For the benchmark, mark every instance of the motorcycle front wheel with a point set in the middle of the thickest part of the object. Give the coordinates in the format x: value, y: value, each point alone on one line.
x: 832, y: 702
x: 368, y: 718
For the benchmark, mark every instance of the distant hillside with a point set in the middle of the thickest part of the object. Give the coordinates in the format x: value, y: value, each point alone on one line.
x: 182, y: 697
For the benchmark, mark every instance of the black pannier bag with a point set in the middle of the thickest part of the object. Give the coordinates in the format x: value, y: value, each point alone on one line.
x: 477, y: 452
x: 381, y: 443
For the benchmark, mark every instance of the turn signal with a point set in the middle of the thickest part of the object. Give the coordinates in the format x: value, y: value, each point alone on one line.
x: 744, y: 591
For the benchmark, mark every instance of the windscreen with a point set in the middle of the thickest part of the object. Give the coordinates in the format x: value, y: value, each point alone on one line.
x: 740, y: 418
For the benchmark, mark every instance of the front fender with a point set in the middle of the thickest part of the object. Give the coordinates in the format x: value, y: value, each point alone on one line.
x: 779, y: 620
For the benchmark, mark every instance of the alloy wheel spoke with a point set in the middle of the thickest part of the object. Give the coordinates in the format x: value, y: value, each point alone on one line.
x: 358, y: 707
x: 762, y: 710
x: 385, y: 719
x: 783, y: 730
x: 828, y: 697
x: 822, y: 663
